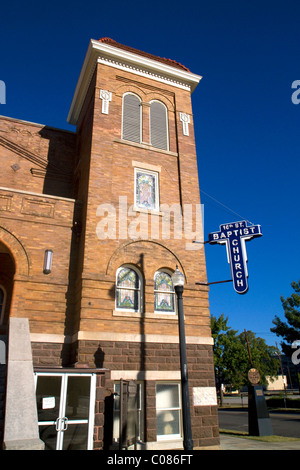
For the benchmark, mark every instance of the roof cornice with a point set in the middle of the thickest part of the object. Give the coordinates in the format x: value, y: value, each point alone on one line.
x: 99, y: 52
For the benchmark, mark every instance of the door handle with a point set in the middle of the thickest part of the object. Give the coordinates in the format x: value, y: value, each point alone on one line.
x: 65, y: 424
x: 61, y: 424
x: 57, y: 424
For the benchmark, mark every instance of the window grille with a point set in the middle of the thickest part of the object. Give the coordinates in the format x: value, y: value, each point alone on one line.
x: 159, y: 126
x: 131, y: 129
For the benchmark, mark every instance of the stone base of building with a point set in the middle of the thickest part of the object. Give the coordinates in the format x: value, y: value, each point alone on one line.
x: 160, y: 364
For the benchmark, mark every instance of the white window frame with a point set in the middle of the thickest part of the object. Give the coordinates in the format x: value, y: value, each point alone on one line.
x: 140, y: 290
x: 156, y: 178
x: 164, y: 437
x: 173, y: 312
x: 141, y: 117
x: 2, y: 311
x: 167, y: 124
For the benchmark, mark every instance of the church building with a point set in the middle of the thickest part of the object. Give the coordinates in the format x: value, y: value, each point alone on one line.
x: 93, y: 224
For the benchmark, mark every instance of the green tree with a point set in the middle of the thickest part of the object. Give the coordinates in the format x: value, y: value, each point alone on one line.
x: 289, y: 330
x: 231, y: 357
x: 226, y: 352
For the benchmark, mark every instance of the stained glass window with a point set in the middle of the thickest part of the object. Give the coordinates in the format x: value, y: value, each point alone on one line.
x: 146, y: 190
x: 128, y: 289
x: 163, y: 293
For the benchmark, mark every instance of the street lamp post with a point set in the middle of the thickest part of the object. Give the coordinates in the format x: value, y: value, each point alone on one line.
x: 178, y: 283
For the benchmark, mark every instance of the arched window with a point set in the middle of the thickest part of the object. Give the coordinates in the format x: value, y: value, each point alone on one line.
x: 164, y: 296
x: 159, y: 125
x: 128, y: 289
x: 2, y: 304
x: 132, y: 121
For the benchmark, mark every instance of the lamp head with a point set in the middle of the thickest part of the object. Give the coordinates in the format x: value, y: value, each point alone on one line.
x: 177, y: 278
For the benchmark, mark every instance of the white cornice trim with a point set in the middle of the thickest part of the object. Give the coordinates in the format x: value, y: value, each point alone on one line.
x: 134, y: 63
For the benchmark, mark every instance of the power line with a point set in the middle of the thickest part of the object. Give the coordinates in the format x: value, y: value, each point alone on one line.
x: 226, y: 207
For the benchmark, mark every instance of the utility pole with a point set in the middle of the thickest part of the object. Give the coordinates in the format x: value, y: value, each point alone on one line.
x: 279, y: 356
x: 248, y: 346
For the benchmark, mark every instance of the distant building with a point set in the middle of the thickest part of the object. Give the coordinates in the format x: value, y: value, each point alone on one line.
x: 276, y: 383
x: 87, y: 250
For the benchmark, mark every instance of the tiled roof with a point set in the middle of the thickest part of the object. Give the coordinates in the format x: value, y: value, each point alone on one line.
x: 170, y: 62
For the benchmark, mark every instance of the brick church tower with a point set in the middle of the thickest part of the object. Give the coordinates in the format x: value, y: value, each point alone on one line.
x: 111, y: 209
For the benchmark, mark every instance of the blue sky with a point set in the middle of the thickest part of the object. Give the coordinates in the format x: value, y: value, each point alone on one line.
x: 246, y: 126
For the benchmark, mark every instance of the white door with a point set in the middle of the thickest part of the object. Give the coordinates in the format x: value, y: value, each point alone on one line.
x: 65, y: 406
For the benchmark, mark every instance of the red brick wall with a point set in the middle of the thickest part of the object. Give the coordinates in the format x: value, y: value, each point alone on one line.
x: 94, y: 166
x: 37, y: 162
x: 107, y: 173
x: 44, y: 157
x: 125, y: 356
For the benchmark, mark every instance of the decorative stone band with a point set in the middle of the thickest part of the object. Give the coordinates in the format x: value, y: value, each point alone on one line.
x: 111, y: 336
x: 145, y: 375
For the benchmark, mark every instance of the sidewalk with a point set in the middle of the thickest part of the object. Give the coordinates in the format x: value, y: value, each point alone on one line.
x: 240, y: 443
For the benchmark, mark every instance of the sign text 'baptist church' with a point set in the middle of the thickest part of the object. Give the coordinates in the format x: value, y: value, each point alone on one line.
x: 234, y: 235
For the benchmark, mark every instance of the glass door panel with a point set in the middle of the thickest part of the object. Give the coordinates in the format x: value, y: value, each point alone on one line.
x: 48, y: 392
x: 48, y: 435
x: 76, y: 437
x: 78, y: 398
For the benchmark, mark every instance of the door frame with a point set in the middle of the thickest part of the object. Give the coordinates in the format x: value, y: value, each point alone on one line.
x: 60, y: 423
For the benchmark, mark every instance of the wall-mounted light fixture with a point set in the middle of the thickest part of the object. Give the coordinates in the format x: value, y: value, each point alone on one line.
x: 48, y: 261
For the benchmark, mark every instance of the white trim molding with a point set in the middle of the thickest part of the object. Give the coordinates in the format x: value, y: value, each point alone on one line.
x: 111, y: 336
x: 139, y: 338
x: 146, y: 166
x: 145, y: 374
x: 99, y: 52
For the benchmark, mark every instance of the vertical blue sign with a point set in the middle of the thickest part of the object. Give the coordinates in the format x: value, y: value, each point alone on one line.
x: 234, y: 235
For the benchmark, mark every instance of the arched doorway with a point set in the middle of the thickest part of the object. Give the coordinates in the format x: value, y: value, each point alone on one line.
x: 7, y: 272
